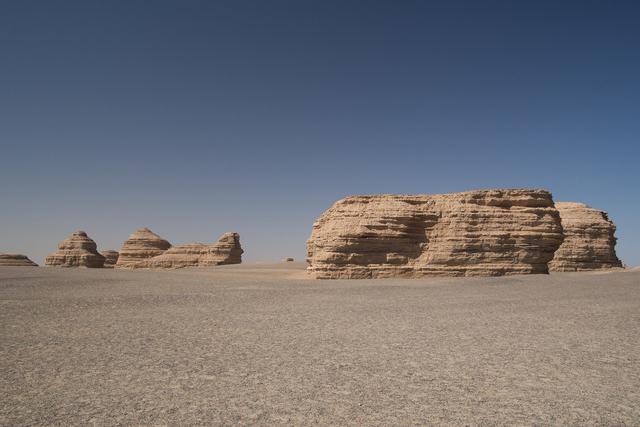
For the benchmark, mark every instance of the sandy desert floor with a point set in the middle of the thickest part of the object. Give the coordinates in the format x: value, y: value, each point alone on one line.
x: 262, y: 344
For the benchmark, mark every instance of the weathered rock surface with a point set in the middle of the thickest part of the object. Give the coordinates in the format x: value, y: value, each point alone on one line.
x: 16, y: 260
x: 140, y: 246
x: 78, y: 250
x: 226, y: 250
x: 488, y: 232
x: 110, y: 258
x: 589, y: 241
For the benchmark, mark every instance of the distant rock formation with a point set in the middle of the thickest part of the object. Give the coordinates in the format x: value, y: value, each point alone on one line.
x: 16, y: 260
x: 488, y: 233
x: 288, y: 259
x: 111, y: 257
x: 78, y: 250
x: 589, y: 241
x: 226, y: 250
x: 140, y: 246
x: 178, y: 256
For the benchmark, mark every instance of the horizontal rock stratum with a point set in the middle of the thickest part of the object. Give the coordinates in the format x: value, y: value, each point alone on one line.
x: 226, y: 250
x: 16, y: 260
x: 589, y: 241
x: 78, y: 250
x: 485, y: 233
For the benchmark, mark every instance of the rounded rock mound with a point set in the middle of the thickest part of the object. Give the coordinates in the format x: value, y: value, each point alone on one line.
x: 78, y: 250
x: 140, y: 246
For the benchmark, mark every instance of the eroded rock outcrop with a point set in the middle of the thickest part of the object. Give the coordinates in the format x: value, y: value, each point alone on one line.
x: 16, y: 260
x: 226, y: 250
x: 589, y: 241
x: 140, y: 246
x: 110, y: 258
x: 78, y: 250
x: 488, y: 232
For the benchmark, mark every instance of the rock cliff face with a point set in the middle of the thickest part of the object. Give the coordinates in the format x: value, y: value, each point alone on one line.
x: 140, y: 246
x: 489, y: 233
x: 589, y: 242
x: 226, y: 250
x: 16, y: 260
x: 78, y: 250
x: 110, y: 258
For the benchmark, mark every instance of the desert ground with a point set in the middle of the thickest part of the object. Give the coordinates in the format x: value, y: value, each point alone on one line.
x: 263, y: 344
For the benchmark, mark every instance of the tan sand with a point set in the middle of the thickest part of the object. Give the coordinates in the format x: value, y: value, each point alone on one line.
x: 262, y: 344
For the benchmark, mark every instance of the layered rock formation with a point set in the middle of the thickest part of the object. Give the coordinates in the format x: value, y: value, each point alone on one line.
x: 489, y: 232
x: 589, y: 241
x: 140, y: 246
x: 16, y: 260
x: 78, y: 250
x: 226, y: 250
x: 110, y: 258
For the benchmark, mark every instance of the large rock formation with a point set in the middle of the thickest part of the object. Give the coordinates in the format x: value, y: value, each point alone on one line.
x: 589, y: 242
x: 16, y: 260
x: 226, y: 250
x: 489, y: 232
x: 140, y: 246
x: 110, y: 257
x: 78, y: 250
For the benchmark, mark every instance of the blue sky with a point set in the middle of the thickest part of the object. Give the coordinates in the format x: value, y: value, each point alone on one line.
x: 196, y: 117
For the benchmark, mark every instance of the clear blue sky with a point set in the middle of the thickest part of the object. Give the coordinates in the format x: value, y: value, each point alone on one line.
x: 199, y: 117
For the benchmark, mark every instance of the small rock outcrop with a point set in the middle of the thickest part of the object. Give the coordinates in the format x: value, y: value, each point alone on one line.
x: 140, y: 246
x: 110, y: 257
x: 589, y: 241
x: 488, y: 233
x: 78, y: 250
x: 288, y: 259
x: 226, y: 250
x: 16, y: 260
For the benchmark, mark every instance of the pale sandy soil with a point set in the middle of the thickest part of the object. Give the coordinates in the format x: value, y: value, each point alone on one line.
x: 264, y: 345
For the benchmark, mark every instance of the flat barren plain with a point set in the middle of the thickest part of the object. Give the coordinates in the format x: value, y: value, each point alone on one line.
x: 262, y: 344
